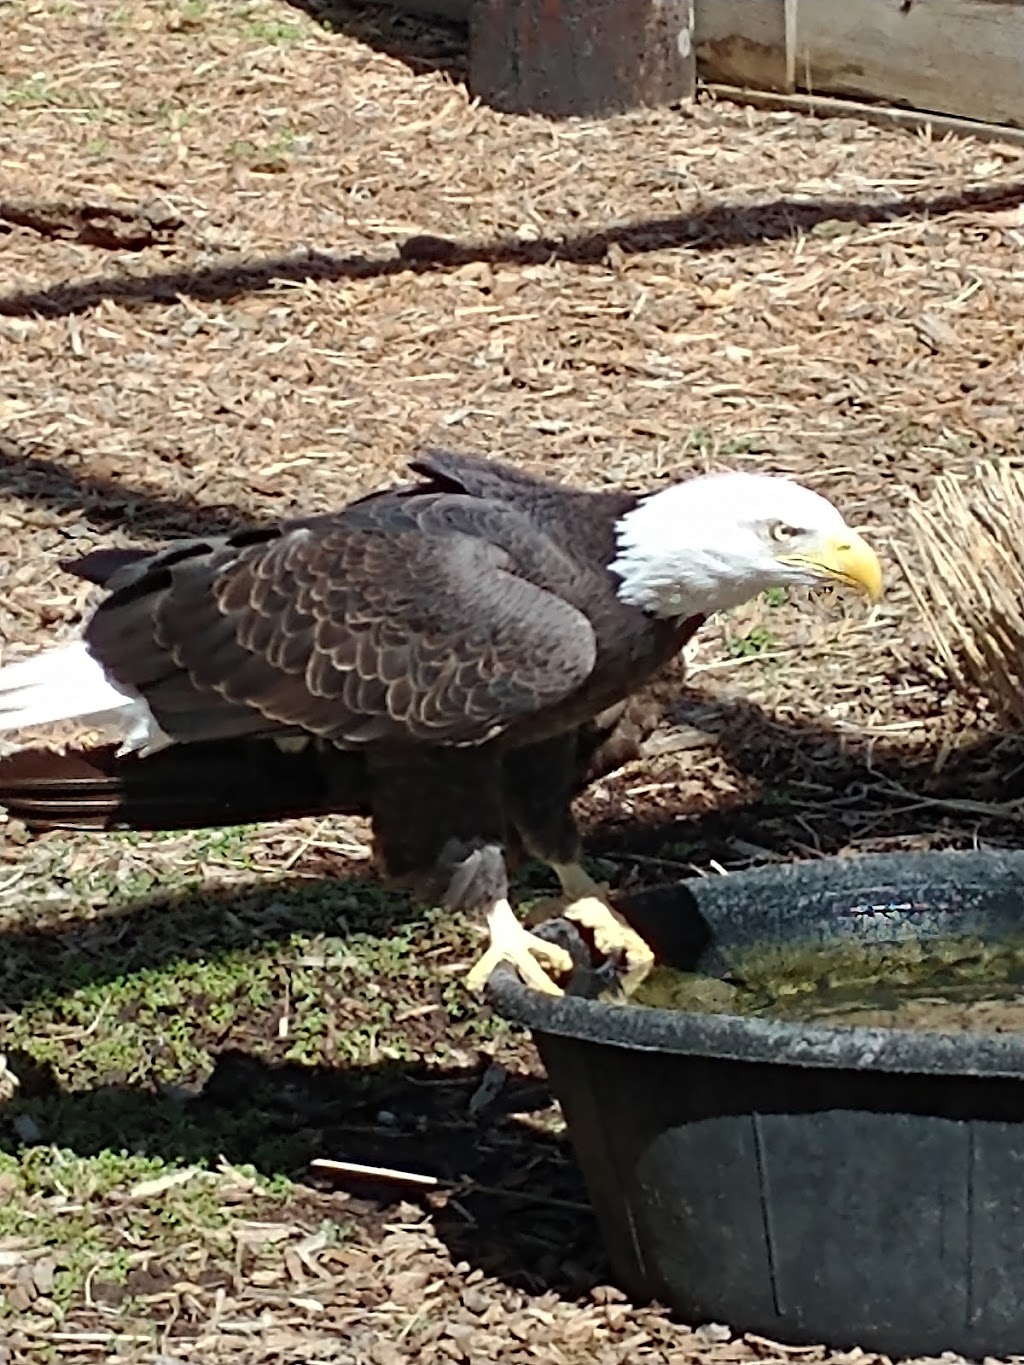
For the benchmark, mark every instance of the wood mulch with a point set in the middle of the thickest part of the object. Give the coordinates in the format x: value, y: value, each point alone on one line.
x: 248, y: 261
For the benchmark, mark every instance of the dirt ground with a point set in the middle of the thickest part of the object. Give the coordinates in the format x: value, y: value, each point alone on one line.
x: 251, y: 255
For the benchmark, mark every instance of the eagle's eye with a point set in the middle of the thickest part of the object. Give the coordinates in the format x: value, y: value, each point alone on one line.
x: 780, y: 531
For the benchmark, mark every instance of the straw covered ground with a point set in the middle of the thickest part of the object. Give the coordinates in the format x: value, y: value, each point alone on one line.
x: 250, y: 256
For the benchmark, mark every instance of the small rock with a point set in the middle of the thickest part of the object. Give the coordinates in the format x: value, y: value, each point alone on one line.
x: 27, y: 1129
x: 607, y: 1293
x: 490, y: 1087
x: 43, y: 1274
x: 405, y: 1285
x: 387, y: 1353
x: 475, y: 1301
x: 713, y: 1333
x: 23, y: 1292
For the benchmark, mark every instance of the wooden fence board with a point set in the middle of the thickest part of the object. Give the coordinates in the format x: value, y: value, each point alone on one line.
x: 962, y: 57
x: 743, y: 42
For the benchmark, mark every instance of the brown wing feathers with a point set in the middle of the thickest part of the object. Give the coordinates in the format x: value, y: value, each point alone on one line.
x: 351, y: 632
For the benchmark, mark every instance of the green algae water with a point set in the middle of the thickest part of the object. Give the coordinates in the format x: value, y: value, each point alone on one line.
x: 942, y: 984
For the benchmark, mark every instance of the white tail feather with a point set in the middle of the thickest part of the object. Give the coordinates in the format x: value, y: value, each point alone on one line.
x: 68, y: 683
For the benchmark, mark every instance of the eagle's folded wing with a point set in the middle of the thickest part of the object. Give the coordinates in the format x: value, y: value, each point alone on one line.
x: 353, y: 633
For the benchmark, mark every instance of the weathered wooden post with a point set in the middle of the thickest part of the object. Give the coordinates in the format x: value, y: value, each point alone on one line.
x: 585, y: 57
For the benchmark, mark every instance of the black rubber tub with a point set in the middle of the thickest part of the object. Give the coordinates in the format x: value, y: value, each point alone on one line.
x: 850, y: 1186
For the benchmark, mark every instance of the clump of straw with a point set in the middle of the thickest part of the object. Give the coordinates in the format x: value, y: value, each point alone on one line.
x: 970, y: 536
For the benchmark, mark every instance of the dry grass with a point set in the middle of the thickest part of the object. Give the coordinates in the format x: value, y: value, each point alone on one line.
x: 970, y: 537
x: 247, y: 262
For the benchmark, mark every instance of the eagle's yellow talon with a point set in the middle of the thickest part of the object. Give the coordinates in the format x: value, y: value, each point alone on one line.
x: 612, y: 934
x: 589, y: 907
x: 511, y: 942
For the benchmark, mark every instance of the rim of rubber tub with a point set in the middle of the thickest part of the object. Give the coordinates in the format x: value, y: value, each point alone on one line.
x: 746, y: 1039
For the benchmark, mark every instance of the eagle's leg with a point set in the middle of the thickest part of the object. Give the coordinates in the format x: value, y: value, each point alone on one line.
x: 540, y: 781
x: 440, y: 832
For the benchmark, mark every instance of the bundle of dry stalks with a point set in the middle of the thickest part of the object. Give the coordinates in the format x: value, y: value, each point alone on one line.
x: 970, y: 537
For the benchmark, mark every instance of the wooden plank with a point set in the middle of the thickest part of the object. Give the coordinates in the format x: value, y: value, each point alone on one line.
x: 962, y: 57
x: 881, y: 115
x: 743, y: 42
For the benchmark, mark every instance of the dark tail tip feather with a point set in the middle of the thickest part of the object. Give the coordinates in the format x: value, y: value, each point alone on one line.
x: 198, y: 786
x: 99, y: 566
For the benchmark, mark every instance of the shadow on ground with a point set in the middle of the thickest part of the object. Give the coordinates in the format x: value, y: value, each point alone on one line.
x: 810, y: 790
x: 425, y: 42
x: 510, y: 1199
x: 198, y: 925
x: 718, y: 228
x: 63, y: 482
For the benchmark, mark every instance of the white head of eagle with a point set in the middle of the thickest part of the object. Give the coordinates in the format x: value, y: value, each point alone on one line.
x: 715, y: 541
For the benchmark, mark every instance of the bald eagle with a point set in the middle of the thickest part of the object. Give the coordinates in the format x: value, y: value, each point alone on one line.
x: 447, y: 656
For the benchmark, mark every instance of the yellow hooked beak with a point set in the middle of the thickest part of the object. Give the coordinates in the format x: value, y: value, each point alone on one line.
x: 844, y: 556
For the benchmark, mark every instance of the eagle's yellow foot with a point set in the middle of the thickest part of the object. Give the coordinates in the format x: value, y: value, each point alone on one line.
x: 511, y: 942
x: 611, y: 934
